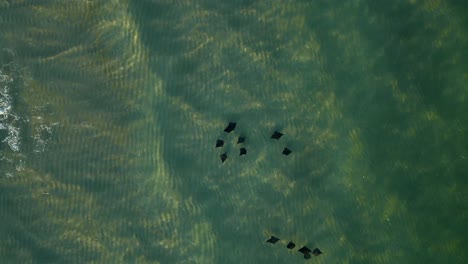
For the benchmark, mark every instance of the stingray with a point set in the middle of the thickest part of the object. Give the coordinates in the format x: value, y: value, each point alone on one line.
x: 243, y: 151
x: 277, y: 135
x: 223, y: 157
x: 316, y: 252
x: 240, y: 140
x: 290, y: 245
x: 286, y: 151
x: 219, y: 143
x: 273, y: 240
x: 230, y: 127
x: 304, y: 250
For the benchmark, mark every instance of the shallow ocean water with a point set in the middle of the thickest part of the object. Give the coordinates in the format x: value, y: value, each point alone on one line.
x: 110, y: 111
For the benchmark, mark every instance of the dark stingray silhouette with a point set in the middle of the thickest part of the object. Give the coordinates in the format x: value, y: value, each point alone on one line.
x: 291, y: 245
x: 286, y: 151
x: 277, y: 135
x: 230, y: 127
x: 219, y: 143
x: 223, y: 157
x: 273, y: 240
x: 240, y: 140
x: 304, y: 250
x: 317, y: 252
x: 243, y: 151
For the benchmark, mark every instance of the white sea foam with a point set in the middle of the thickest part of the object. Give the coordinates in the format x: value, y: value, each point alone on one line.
x: 13, y: 138
x: 5, y: 102
x: 5, y: 113
x: 13, y: 155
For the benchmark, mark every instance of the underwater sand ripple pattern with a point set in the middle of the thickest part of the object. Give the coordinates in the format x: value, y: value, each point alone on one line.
x: 98, y: 153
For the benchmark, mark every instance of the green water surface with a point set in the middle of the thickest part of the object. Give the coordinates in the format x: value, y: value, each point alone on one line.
x: 117, y: 105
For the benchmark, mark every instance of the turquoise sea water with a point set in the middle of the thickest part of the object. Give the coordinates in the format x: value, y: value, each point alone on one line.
x: 110, y: 111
